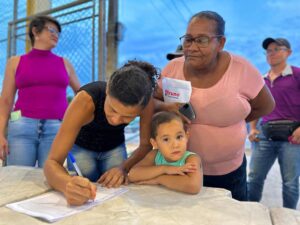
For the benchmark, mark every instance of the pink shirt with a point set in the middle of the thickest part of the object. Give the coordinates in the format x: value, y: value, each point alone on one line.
x: 41, y: 80
x: 219, y: 132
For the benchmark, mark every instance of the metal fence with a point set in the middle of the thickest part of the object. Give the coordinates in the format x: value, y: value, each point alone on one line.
x: 82, y: 40
x: 78, y: 41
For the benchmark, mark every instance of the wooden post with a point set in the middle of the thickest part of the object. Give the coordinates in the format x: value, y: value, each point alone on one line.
x: 112, y: 40
x: 33, y: 7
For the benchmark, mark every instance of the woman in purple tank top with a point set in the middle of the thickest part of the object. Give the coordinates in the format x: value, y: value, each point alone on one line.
x: 40, y: 78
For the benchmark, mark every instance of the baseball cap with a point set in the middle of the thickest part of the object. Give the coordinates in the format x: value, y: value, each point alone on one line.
x: 278, y: 41
x: 175, y: 54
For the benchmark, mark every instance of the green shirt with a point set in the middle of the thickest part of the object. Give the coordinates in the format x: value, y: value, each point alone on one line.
x: 160, y: 159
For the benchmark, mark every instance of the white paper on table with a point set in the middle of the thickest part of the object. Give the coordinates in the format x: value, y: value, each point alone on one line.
x: 52, y: 206
x: 175, y: 90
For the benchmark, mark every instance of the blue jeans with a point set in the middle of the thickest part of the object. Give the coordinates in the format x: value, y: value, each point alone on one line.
x: 264, y: 153
x: 94, y: 164
x: 29, y: 140
x: 236, y: 182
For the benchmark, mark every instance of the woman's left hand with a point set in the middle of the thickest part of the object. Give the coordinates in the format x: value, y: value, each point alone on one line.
x: 113, y: 178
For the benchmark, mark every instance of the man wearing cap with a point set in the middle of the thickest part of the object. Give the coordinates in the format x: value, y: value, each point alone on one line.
x: 176, y: 54
x: 279, y: 134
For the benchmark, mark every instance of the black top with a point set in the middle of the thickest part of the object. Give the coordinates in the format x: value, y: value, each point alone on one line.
x: 99, y: 135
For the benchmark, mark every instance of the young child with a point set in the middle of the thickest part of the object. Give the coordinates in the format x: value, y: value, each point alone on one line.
x: 169, y: 164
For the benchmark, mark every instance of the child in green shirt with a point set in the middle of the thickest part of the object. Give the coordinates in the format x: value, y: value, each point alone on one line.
x: 169, y: 163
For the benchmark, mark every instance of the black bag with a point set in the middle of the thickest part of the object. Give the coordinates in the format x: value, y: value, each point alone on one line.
x: 279, y: 130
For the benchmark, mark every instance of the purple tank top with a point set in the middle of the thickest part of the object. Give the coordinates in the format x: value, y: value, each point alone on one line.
x: 41, y: 80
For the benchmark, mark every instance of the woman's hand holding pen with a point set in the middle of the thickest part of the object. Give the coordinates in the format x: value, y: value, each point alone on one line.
x: 174, y: 107
x: 79, y: 190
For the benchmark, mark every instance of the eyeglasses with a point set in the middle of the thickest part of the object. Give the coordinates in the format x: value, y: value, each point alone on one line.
x: 201, y: 41
x: 53, y: 31
x: 275, y: 50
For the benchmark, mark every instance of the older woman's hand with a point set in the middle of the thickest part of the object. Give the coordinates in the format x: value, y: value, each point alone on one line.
x: 174, y: 107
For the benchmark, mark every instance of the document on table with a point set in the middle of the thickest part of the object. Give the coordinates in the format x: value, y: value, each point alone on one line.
x: 53, y: 206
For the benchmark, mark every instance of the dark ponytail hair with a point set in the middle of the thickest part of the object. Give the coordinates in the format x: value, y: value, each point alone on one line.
x: 133, y: 83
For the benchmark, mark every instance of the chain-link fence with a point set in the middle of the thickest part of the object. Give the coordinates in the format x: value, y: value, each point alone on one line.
x: 78, y: 41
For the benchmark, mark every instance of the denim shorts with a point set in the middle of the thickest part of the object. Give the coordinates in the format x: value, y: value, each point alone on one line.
x: 93, y: 164
x: 29, y: 140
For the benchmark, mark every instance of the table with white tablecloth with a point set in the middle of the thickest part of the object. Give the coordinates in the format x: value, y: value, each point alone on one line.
x: 142, y: 204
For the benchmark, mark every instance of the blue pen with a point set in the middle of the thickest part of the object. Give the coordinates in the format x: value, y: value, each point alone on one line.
x: 73, y: 160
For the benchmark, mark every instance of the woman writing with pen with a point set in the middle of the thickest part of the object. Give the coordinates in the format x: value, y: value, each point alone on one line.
x: 93, y: 127
x: 76, y: 168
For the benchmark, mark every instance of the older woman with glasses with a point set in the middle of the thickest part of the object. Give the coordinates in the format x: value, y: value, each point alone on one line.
x: 227, y: 92
x: 41, y: 79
